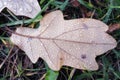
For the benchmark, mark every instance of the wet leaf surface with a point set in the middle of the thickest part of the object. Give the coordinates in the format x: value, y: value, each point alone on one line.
x: 74, y: 43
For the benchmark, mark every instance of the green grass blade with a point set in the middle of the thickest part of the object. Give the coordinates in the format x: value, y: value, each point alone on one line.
x: 86, y: 4
x: 51, y: 75
x: 62, y: 7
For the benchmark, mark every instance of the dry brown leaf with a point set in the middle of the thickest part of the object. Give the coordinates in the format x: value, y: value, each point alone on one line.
x: 29, y: 8
x: 75, y: 3
x: 60, y: 42
x: 113, y: 27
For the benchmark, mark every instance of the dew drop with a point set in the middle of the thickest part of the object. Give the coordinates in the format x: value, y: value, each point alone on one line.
x: 14, y: 7
x: 90, y: 63
x: 77, y: 48
x: 10, y: 6
x: 20, y: 9
x: 5, y: 3
x: 28, y: 8
x: 41, y: 44
x: 70, y: 50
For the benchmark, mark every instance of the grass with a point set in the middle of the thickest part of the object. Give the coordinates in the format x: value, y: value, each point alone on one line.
x: 15, y: 64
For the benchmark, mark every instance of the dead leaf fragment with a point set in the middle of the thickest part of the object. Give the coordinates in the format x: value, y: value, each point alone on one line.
x: 75, y: 3
x: 60, y: 42
x: 29, y: 8
x: 113, y: 27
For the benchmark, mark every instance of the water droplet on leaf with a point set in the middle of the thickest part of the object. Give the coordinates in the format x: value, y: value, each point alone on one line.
x: 28, y: 8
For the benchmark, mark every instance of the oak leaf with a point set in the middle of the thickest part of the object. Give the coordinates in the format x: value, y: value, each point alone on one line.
x: 29, y: 8
x: 59, y: 42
